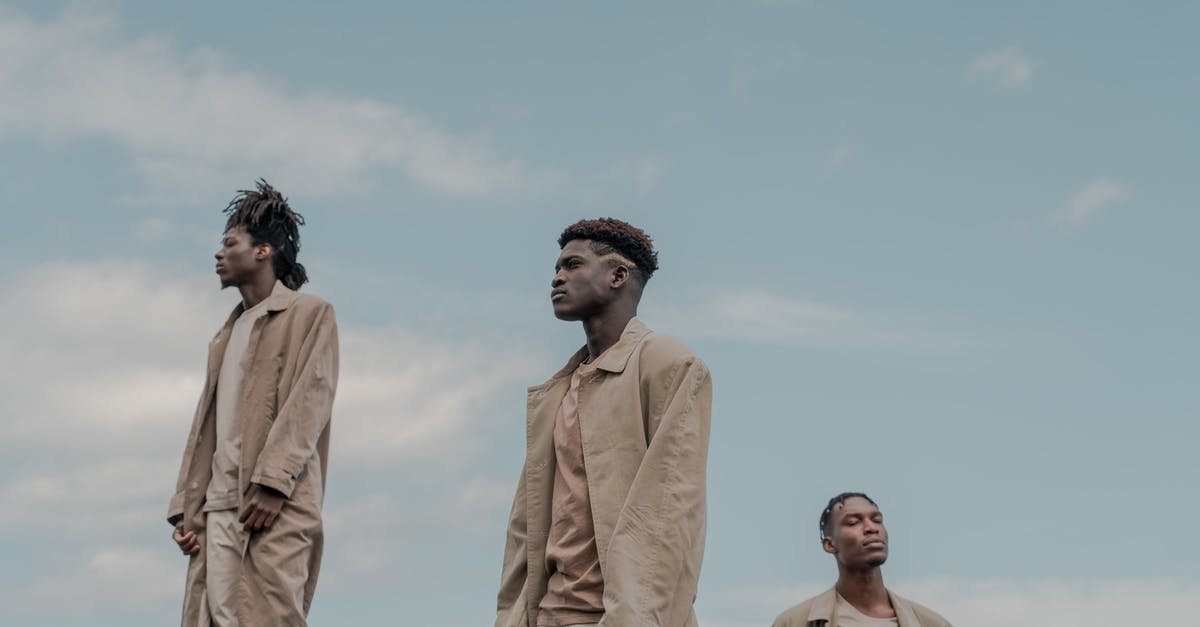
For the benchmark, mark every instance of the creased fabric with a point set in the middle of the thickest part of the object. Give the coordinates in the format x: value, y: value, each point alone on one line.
x: 644, y: 416
x: 821, y: 611
x: 285, y: 406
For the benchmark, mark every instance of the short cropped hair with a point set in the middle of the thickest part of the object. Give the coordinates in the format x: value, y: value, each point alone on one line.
x: 827, y: 513
x: 609, y: 235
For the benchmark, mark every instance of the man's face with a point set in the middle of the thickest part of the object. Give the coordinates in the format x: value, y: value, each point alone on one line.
x: 857, y: 537
x: 583, y: 282
x: 238, y: 259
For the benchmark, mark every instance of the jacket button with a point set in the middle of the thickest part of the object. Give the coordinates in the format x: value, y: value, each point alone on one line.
x: 195, y: 485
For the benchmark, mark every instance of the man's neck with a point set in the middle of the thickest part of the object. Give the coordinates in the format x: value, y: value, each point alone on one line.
x: 257, y: 290
x: 865, y: 591
x: 605, y: 329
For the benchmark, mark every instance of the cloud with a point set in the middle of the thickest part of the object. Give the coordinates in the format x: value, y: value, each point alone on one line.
x: 1090, y: 200
x: 644, y: 172
x: 1011, y: 67
x: 111, y: 356
x: 999, y: 602
x: 191, y: 121
x: 759, y: 316
x: 114, y: 579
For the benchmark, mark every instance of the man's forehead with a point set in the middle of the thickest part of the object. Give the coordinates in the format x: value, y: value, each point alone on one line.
x: 855, y: 505
x: 577, y: 246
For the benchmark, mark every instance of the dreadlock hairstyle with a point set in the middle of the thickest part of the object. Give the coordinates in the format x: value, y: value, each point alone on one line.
x: 840, y: 499
x: 609, y: 235
x: 269, y: 220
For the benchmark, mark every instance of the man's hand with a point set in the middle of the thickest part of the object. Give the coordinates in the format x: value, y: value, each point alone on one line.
x: 188, y: 542
x: 262, y: 507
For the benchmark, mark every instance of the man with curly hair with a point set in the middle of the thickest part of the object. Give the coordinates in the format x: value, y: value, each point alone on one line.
x: 247, y: 505
x: 608, y: 522
x: 852, y: 531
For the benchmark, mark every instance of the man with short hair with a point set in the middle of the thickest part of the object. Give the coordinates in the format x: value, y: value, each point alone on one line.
x: 607, y: 526
x: 852, y: 531
x: 247, y: 506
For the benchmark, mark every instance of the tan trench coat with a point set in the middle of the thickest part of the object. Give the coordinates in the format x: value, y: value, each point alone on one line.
x: 644, y: 416
x: 821, y: 611
x: 285, y: 404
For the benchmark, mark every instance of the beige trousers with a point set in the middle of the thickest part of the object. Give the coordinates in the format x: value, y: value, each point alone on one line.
x: 223, y: 555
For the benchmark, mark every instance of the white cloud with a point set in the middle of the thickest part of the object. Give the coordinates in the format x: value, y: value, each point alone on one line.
x: 997, y: 603
x: 644, y: 172
x: 191, y: 121
x: 116, y: 578
x: 1091, y: 199
x: 759, y: 316
x: 1011, y: 67
x: 111, y: 360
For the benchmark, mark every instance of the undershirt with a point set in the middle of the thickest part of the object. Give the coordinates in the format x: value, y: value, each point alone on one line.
x: 227, y: 459
x: 849, y: 616
x: 575, y: 590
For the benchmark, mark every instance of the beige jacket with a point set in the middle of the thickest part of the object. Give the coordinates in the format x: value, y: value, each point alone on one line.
x: 821, y: 611
x: 285, y: 404
x: 644, y: 417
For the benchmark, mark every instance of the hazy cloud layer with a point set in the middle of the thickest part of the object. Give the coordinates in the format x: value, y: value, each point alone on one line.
x: 1093, y: 198
x: 760, y: 316
x: 192, y: 122
x: 110, y: 361
x: 1009, y: 67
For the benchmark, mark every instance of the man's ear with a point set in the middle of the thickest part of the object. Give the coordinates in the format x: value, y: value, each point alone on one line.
x: 827, y: 544
x: 620, y: 274
x: 263, y: 251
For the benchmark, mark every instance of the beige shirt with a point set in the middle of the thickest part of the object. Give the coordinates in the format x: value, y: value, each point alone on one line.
x: 223, y: 488
x: 849, y: 616
x: 575, y: 590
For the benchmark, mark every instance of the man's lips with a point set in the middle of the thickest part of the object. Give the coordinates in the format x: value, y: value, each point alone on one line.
x: 555, y: 294
x: 875, y: 542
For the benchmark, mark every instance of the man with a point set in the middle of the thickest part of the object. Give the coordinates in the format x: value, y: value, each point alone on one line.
x: 852, y: 531
x: 247, y: 506
x: 607, y: 526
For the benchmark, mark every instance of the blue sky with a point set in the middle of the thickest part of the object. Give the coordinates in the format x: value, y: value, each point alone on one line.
x: 940, y: 253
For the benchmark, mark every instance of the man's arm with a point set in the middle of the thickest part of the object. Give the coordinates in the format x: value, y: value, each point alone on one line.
x: 305, y: 413
x: 510, y: 602
x: 657, y: 545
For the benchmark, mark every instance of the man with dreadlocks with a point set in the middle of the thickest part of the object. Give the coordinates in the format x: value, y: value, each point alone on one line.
x: 852, y: 531
x: 247, y: 506
x: 607, y: 526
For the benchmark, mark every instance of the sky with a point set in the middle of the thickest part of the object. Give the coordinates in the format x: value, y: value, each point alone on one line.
x: 940, y: 253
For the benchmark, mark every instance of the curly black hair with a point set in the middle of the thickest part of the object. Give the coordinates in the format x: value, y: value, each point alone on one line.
x: 608, y: 235
x: 269, y: 220
x: 827, y: 513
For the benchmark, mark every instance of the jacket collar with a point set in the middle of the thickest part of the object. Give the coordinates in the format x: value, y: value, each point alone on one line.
x: 615, y: 358
x: 280, y: 298
x: 823, y: 609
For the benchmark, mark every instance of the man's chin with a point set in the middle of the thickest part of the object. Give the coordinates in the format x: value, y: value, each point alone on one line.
x: 228, y: 283
x: 877, y: 562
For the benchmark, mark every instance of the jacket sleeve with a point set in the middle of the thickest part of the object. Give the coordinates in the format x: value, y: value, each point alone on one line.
x: 657, y: 545
x: 510, y: 603
x: 305, y: 413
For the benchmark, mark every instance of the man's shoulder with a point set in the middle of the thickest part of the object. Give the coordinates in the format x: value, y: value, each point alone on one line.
x: 662, y: 350
x: 304, y: 300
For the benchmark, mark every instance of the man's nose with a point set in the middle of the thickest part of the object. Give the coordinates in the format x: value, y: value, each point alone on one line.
x: 558, y: 279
